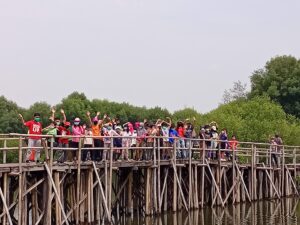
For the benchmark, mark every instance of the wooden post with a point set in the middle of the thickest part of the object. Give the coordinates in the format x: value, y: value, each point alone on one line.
x: 179, y: 199
x: 203, y: 174
x: 56, y: 193
x: 148, y: 192
x: 57, y: 208
x: 102, y: 193
x: 129, y: 197
x: 4, y: 180
x: 158, y: 176
x: 5, y: 207
x: 283, y: 172
x: 20, y: 183
x: 174, y: 180
x: 110, y: 175
x: 89, y: 194
x: 190, y: 172
x: 154, y: 178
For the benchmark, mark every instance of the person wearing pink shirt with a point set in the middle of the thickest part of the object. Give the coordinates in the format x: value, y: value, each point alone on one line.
x: 77, y: 131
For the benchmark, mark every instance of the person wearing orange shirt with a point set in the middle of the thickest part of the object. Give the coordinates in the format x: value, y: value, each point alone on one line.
x: 96, y: 126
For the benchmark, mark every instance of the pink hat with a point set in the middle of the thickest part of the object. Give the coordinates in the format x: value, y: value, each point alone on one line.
x: 95, y: 119
x: 137, y: 124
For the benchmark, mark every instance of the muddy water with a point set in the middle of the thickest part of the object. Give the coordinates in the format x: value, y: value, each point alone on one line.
x: 283, y: 212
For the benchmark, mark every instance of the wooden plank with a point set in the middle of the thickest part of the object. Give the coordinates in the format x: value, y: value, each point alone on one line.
x: 242, y: 180
x: 78, y: 190
x: 56, y: 193
x: 102, y: 193
x: 215, y: 184
x: 268, y: 175
x: 179, y: 185
x: 5, y: 206
x: 291, y: 179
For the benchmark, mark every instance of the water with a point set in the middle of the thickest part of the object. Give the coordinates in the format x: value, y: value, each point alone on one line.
x: 280, y: 212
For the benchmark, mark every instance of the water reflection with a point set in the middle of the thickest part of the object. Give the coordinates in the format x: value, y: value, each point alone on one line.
x: 280, y: 212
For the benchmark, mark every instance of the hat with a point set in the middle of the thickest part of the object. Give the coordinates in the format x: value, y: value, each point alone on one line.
x: 118, y: 128
x: 77, y: 119
x: 214, y: 128
x: 67, y: 123
x: 95, y: 119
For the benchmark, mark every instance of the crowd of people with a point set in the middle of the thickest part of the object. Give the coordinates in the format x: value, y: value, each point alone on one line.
x: 129, y: 141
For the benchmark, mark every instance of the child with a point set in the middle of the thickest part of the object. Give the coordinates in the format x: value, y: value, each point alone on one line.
x: 87, y: 143
x: 77, y: 131
x: 223, y: 143
x: 96, y: 126
x: 233, y: 144
x: 35, y: 128
x: 62, y: 141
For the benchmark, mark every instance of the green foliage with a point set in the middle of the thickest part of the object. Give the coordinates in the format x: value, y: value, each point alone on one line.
x: 40, y: 107
x: 256, y: 120
x: 280, y: 80
x: 251, y: 120
x: 9, y: 121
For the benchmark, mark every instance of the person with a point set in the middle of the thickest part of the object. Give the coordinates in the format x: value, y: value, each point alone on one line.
x: 172, y: 135
x: 58, y: 123
x: 273, y: 150
x: 108, y: 133
x: 133, y: 145
x: 34, y: 141
x: 150, y: 135
x: 223, y: 143
x: 77, y: 131
x: 165, y: 130
x: 63, y: 142
x: 87, y: 143
x: 202, y: 142
x: 96, y: 126
x: 214, y: 141
x: 189, y: 134
x: 181, y: 133
x: 118, y: 151
x: 126, y: 141
x: 279, y: 143
x: 140, y: 141
x: 207, y: 137
x: 233, y: 144
x: 51, y: 130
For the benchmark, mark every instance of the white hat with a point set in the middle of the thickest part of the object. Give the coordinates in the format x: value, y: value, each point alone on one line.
x: 118, y: 128
x: 214, y: 128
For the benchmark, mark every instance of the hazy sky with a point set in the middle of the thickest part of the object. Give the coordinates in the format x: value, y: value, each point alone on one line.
x: 170, y: 53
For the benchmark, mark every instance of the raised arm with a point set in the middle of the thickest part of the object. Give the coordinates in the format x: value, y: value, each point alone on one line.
x: 169, y: 123
x: 22, y: 119
x: 159, y: 121
x: 52, y: 114
x: 64, y: 115
x: 194, y: 121
x: 89, y: 117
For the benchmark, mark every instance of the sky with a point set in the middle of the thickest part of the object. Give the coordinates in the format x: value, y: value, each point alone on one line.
x: 168, y: 53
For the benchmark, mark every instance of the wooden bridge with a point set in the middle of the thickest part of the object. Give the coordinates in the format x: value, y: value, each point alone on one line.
x: 72, y: 192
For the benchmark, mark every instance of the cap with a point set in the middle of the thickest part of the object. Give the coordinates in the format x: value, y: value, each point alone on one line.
x: 77, y: 119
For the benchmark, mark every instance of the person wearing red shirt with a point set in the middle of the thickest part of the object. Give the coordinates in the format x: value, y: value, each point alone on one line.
x: 233, y: 144
x: 181, y: 133
x: 35, y: 128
